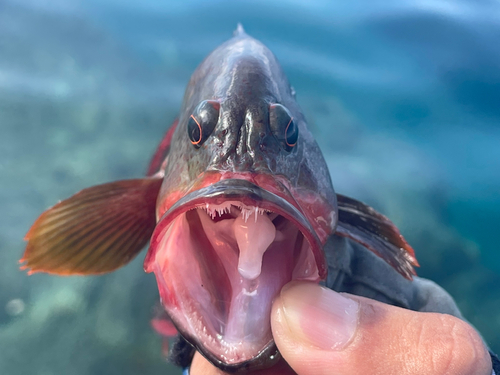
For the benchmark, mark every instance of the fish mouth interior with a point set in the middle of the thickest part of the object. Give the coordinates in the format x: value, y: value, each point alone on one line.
x: 219, y: 267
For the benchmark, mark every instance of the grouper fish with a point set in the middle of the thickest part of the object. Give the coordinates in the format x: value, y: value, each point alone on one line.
x: 237, y: 202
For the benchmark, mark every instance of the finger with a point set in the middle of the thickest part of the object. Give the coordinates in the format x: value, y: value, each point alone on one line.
x: 319, y: 331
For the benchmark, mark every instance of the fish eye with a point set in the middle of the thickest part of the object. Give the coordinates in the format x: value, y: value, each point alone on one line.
x: 202, y: 122
x: 284, y: 129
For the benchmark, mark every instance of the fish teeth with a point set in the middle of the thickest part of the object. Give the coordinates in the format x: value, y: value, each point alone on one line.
x: 214, y: 210
x: 249, y: 211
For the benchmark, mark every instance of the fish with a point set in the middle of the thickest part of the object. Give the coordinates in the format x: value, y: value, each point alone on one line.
x: 237, y: 202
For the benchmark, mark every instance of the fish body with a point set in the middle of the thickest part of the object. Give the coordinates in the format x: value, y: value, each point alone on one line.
x: 238, y: 202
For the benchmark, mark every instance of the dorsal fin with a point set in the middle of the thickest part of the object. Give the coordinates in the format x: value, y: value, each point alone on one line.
x: 376, y: 232
x: 240, y: 31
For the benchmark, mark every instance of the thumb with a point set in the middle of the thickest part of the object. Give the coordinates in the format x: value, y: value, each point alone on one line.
x: 319, y: 331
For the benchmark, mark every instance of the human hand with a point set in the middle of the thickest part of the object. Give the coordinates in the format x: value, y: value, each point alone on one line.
x: 319, y: 331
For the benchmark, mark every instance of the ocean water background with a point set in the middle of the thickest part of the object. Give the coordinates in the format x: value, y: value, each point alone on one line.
x: 403, y: 96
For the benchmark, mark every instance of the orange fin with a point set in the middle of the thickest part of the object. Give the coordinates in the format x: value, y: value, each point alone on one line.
x: 376, y: 232
x: 95, y: 231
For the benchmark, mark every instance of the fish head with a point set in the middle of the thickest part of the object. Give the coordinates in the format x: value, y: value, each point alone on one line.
x: 245, y: 207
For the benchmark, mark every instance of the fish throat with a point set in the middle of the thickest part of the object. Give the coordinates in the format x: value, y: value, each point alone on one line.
x: 231, y: 259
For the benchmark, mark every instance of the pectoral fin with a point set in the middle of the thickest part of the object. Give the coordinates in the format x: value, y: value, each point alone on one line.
x: 376, y: 232
x: 95, y: 231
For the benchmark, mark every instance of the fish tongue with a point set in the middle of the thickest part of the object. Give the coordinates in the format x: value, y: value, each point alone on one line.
x: 253, y: 234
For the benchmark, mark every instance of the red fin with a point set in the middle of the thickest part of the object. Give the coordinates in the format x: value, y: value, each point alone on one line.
x: 162, y: 323
x: 162, y: 150
x: 95, y: 231
x: 164, y: 326
x: 376, y: 232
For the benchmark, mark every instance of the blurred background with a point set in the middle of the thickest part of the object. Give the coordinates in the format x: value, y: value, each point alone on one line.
x: 403, y: 96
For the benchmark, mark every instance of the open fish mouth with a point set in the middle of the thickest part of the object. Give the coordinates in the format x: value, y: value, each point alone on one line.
x: 221, y: 255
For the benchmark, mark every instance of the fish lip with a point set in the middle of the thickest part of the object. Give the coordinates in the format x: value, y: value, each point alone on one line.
x: 268, y: 357
x: 249, y: 194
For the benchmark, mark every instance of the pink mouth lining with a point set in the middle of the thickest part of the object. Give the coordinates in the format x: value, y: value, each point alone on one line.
x: 219, y: 267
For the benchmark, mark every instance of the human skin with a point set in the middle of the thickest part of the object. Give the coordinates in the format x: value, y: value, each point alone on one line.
x: 319, y: 331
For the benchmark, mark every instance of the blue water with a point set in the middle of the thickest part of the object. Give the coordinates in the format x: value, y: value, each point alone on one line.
x: 404, y: 97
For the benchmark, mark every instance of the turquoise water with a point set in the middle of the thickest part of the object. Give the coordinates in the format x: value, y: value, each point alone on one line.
x: 404, y: 97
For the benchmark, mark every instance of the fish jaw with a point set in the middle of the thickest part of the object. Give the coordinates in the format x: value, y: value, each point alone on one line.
x: 221, y: 255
